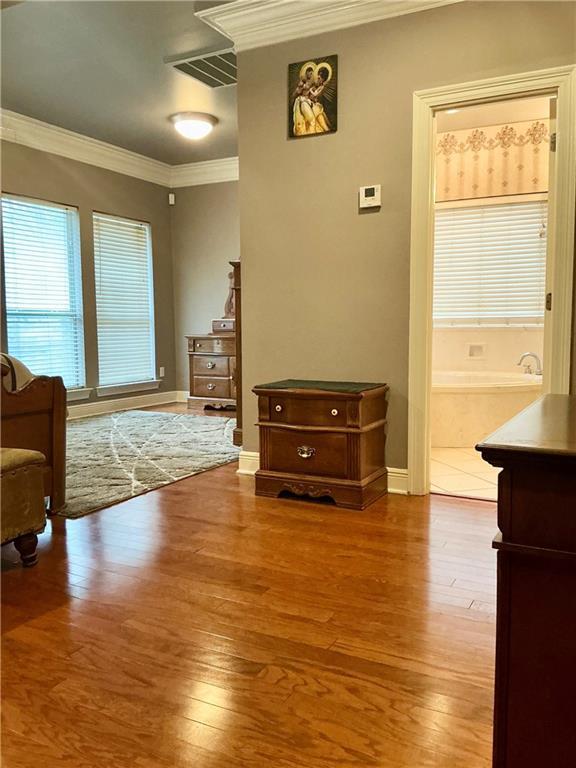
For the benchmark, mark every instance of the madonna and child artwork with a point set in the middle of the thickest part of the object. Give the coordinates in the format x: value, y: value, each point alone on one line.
x: 313, y: 97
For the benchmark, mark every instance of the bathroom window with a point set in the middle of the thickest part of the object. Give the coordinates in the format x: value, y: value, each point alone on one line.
x: 490, y: 265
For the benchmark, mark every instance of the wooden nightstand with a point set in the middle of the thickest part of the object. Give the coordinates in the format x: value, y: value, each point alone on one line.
x: 322, y: 439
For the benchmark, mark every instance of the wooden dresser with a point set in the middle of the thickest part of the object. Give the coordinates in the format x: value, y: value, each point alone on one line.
x: 534, y: 709
x: 322, y: 439
x: 212, y: 359
x: 237, y: 289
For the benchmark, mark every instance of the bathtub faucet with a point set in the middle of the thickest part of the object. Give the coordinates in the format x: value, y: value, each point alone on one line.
x: 528, y: 367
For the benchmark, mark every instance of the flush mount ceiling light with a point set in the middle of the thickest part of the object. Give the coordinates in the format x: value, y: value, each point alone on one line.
x: 193, y: 125
x: 452, y: 111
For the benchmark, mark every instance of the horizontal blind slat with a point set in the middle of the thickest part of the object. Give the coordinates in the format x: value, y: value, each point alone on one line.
x: 124, y: 300
x: 43, y: 293
x: 490, y: 263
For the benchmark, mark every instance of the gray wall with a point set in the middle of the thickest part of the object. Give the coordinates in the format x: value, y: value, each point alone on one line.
x: 326, y: 290
x: 45, y: 176
x: 205, y: 237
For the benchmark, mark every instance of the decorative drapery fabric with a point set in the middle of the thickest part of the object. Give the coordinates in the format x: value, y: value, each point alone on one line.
x: 492, y: 161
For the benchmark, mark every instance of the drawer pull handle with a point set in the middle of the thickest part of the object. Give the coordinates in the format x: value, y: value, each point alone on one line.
x: 210, y: 365
x: 334, y: 411
x: 222, y: 325
x: 198, y: 345
x: 211, y: 387
x: 278, y: 409
x: 305, y: 452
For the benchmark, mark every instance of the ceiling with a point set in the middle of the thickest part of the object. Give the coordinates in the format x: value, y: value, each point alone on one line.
x: 97, y: 68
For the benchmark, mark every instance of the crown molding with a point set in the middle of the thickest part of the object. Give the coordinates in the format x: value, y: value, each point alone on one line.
x: 33, y: 133
x: 256, y: 23
x: 207, y: 172
x: 45, y: 137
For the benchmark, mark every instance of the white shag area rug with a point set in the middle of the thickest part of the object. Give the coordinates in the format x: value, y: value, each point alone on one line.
x: 116, y: 456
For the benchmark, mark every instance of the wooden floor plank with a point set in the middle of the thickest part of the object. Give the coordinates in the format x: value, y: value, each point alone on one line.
x: 198, y: 625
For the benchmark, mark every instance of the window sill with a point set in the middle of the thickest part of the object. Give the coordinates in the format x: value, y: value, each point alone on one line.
x: 133, y: 386
x: 78, y: 393
x: 487, y: 326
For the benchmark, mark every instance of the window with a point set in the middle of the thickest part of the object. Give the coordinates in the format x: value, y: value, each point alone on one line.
x: 490, y: 264
x: 43, y: 297
x: 124, y: 300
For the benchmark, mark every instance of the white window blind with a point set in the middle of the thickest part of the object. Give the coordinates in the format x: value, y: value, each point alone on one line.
x: 490, y: 264
x: 124, y: 300
x: 43, y: 296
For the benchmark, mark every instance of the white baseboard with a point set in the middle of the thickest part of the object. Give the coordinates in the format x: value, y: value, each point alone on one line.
x: 249, y: 463
x: 397, y: 480
x: 121, y: 404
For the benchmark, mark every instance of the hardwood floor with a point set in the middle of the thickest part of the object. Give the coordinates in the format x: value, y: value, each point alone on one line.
x: 201, y: 626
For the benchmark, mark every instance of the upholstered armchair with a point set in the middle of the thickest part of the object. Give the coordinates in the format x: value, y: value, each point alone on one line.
x: 33, y: 410
x: 22, y: 490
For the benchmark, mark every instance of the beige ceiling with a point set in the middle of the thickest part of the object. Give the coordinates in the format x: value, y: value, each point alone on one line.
x: 98, y: 68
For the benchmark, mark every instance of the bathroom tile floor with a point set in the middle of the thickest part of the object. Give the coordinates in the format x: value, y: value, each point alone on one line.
x: 462, y: 472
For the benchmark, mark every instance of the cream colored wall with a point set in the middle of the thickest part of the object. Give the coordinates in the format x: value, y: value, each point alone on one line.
x: 32, y: 173
x: 502, y: 348
x: 326, y: 290
x: 205, y: 238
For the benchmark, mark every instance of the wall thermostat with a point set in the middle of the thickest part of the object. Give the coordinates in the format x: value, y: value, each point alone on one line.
x: 369, y: 197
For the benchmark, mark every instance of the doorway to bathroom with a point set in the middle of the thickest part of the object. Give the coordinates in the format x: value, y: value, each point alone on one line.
x: 558, y: 82
x: 492, y: 171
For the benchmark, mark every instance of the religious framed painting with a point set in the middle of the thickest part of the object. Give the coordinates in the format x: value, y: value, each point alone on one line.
x: 313, y: 97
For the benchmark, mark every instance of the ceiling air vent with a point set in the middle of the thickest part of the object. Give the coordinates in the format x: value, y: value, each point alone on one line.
x: 216, y: 69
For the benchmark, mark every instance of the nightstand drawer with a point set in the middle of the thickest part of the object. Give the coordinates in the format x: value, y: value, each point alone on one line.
x: 307, y: 453
x: 312, y: 413
x: 217, y: 346
x: 211, y: 386
x: 211, y: 365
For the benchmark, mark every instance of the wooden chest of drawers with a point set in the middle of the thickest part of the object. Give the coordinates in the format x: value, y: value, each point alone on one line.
x: 212, y: 359
x: 322, y: 439
x: 535, y: 680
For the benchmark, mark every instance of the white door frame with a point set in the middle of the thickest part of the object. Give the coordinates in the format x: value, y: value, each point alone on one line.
x: 562, y: 82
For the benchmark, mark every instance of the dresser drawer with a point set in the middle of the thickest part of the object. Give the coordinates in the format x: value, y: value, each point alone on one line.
x: 211, y: 386
x: 213, y: 346
x: 210, y: 365
x: 307, y: 453
x: 224, y: 325
x: 313, y: 413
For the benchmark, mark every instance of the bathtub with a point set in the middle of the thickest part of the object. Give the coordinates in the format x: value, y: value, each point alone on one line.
x: 488, y: 381
x: 466, y: 406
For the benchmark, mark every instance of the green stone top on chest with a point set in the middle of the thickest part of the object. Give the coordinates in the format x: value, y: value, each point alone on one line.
x: 351, y: 387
